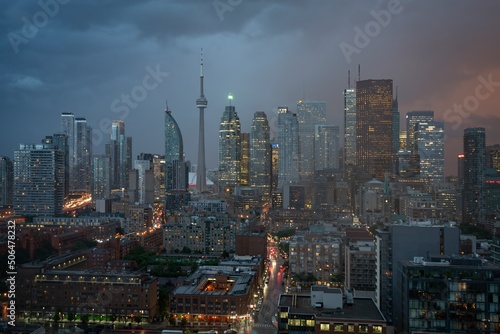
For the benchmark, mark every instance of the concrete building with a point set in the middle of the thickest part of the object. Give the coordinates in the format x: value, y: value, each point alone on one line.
x: 404, y: 242
x: 203, y: 233
x: 215, y: 295
x: 454, y: 294
x: 328, y: 310
x: 42, y: 291
x: 316, y: 255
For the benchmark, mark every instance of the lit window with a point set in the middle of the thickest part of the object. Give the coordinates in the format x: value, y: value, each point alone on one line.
x: 324, y: 327
x: 350, y: 328
x: 377, y: 329
x: 338, y: 327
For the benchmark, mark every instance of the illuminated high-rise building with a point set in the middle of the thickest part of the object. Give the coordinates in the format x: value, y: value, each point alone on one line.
x: 493, y: 157
x: 395, y: 125
x: 176, y: 169
x: 402, y: 140
x: 412, y: 118
x: 68, y: 128
x: 429, y: 141
x: 119, y: 150
x: 38, y: 180
x: 201, y: 104
x: 274, y: 166
x: 349, y: 126
x: 60, y: 141
x: 260, y: 154
x: 474, y: 178
x: 374, y: 136
x: 83, y: 155
x: 245, y: 159
x: 309, y: 114
x: 326, y: 147
x: 288, y: 147
x: 101, y: 177
x: 6, y: 181
x: 229, y: 149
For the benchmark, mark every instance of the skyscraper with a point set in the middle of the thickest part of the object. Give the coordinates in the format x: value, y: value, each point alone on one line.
x: 412, y: 118
x: 309, y: 114
x: 349, y: 126
x: 6, y: 181
x: 274, y: 166
x: 68, y: 128
x: 395, y: 124
x: 141, y: 181
x: 474, y: 179
x: 176, y: 170
x: 493, y: 157
x: 201, y: 103
x: 288, y: 147
x: 229, y: 148
x: 245, y: 159
x: 38, y: 180
x: 83, y: 155
x: 374, y: 142
x: 119, y: 149
x: 60, y: 141
x: 326, y: 147
x: 101, y: 177
x: 260, y: 154
x: 429, y: 141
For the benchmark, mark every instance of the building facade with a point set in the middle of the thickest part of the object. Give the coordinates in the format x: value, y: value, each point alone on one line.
x: 349, y: 126
x: 119, y: 148
x: 429, y: 141
x: 101, y: 177
x: 176, y: 169
x: 288, y: 147
x: 474, y: 179
x: 412, y: 119
x: 6, y: 181
x: 326, y: 147
x: 260, y: 154
x: 38, y: 180
x: 449, y: 294
x: 374, y: 144
x: 309, y: 114
x: 229, y: 149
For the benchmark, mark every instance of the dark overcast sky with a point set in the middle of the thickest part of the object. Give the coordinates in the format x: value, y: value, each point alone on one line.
x: 86, y: 54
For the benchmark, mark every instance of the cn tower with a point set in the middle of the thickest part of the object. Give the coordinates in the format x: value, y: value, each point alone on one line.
x: 201, y: 103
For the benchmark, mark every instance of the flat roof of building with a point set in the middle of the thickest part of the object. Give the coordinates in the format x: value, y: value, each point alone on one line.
x: 362, y: 309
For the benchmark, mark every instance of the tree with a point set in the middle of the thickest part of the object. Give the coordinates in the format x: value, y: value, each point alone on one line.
x: 56, y: 318
x: 183, y: 322
x: 71, y: 317
x: 138, y: 319
x: 84, y: 319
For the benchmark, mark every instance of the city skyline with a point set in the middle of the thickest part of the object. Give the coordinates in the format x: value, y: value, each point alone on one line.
x: 82, y: 61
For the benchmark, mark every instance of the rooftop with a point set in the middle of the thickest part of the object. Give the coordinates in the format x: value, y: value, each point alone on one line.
x: 362, y: 309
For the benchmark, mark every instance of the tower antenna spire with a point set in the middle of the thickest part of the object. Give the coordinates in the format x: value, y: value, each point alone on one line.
x: 359, y: 72
x: 201, y: 104
x: 201, y: 68
x: 348, y: 78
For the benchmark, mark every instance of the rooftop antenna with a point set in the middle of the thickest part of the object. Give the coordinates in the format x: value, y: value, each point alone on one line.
x: 166, y: 106
x: 348, y: 78
x: 359, y: 72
